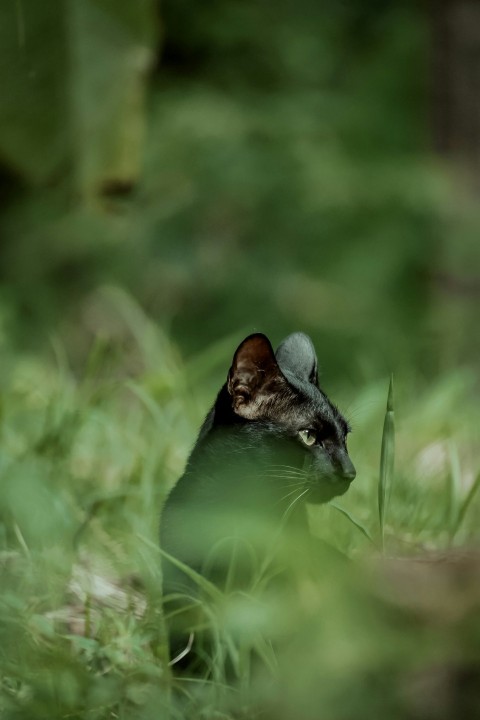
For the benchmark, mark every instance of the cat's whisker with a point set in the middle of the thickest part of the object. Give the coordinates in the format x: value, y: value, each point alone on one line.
x: 287, y: 483
x: 296, y: 483
x: 355, y: 409
x: 294, y: 502
x: 292, y: 492
x: 287, y: 475
x: 290, y: 468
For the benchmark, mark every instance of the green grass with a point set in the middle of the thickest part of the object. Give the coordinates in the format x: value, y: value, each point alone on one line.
x: 86, y: 461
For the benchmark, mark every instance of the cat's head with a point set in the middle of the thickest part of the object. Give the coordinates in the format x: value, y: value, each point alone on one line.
x: 281, y: 389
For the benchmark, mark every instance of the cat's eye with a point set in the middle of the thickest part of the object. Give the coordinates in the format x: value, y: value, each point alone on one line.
x: 308, y: 436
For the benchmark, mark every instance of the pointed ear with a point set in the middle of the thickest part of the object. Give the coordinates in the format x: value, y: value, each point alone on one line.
x: 296, y: 354
x: 254, y: 376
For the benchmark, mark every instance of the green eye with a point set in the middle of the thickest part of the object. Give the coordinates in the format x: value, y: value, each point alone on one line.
x: 309, y: 437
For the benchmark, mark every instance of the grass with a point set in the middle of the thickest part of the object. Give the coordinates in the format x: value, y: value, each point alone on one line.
x: 387, y: 462
x: 84, y: 468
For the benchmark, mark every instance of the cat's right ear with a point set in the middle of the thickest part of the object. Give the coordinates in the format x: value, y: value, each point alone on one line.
x: 297, y: 355
x: 254, y: 376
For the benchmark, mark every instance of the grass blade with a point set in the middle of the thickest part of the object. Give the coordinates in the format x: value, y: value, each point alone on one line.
x: 387, y: 462
x: 466, y: 504
x: 454, y: 489
x: 208, y: 588
x: 353, y: 520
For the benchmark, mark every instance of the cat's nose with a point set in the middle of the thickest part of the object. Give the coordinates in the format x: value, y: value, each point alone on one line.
x: 347, y: 470
x: 349, y: 474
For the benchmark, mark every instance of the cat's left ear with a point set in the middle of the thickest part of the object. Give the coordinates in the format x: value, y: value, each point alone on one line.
x: 297, y: 355
x: 254, y: 376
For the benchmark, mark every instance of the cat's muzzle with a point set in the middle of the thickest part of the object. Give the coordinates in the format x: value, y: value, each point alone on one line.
x: 325, y: 484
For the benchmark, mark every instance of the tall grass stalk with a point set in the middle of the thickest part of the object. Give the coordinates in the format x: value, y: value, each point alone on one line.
x: 454, y: 490
x: 387, y: 463
x: 466, y: 504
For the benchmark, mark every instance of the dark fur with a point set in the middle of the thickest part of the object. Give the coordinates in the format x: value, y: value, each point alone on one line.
x: 249, y: 466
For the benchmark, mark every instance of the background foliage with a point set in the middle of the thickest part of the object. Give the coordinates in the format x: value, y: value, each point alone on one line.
x: 172, y: 177
x: 233, y: 165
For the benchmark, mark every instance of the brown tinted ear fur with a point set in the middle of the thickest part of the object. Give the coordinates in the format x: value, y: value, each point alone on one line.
x: 254, y: 376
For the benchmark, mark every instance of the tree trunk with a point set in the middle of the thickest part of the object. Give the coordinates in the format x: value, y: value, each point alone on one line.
x: 456, y: 81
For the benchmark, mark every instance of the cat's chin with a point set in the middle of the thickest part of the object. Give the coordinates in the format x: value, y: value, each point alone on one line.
x: 326, y: 491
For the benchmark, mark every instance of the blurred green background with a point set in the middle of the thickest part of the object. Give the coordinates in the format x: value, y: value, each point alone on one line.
x: 236, y: 166
x: 173, y: 176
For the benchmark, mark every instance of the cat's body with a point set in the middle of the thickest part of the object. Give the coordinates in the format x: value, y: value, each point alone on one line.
x: 271, y: 441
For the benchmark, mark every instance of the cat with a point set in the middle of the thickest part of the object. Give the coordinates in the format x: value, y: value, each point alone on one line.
x: 272, y: 442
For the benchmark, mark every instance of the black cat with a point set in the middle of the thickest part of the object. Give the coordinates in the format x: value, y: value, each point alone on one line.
x: 271, y: 442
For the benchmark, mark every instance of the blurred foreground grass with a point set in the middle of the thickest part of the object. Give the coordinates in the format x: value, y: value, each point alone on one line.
x: 85, y: 464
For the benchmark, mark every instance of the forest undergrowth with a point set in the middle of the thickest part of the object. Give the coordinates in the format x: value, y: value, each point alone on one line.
x: 391, y: 624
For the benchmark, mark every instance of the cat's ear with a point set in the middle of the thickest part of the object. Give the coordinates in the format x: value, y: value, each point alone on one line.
x: 297, y: 355
x: 254, y: 376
